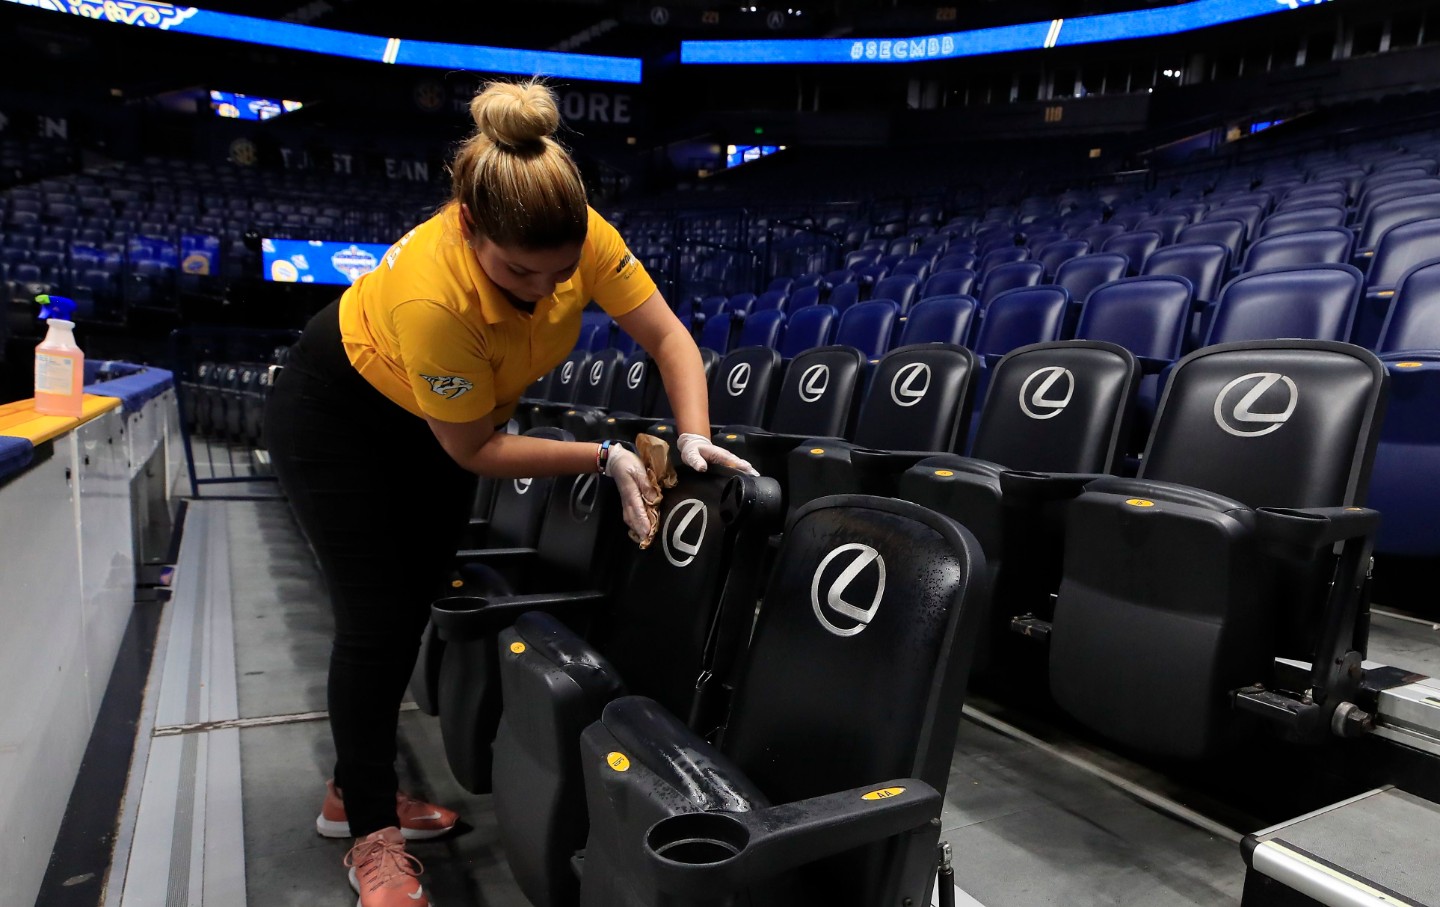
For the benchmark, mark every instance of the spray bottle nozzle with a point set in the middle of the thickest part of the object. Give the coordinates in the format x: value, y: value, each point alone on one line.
x: 56, y: 307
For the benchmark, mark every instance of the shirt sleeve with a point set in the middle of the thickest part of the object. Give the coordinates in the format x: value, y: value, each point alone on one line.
x: 621, y: 282
x: 445, y: 362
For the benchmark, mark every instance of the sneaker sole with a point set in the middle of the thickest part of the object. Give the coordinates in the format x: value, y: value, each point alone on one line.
x: 355, y: 884
x: 328, y: 828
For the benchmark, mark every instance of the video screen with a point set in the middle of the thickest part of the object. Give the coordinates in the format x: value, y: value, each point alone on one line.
x: 735, y: 155
x: 235, y: 106
x: 317, y: 261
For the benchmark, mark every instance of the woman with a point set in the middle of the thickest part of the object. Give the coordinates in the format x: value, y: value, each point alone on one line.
x: 393, y: 402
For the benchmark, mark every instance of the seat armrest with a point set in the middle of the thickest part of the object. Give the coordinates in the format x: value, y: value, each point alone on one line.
x: 1039, y: 487
x: 886, y: 462
x: 1314, y: 527
x: 494, y: 557
x: 706, y: 855
x: 769, y: 443
x: 463, y: 617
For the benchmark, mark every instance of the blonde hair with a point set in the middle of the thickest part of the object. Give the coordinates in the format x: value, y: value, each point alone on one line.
x: 520, y: 185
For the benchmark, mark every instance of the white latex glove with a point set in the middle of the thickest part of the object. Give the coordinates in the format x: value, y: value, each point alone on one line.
x: 634, y: 486
x: 698, y: 453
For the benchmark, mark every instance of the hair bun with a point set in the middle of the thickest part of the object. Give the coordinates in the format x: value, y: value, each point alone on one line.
x: 515, y: 115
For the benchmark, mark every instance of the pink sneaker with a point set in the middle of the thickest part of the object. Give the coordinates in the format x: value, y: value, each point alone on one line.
x: 419, y: 821
x: 383, y: 874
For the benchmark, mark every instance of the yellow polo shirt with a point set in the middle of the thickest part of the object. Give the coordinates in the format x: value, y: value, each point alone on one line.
x: 430, y: 331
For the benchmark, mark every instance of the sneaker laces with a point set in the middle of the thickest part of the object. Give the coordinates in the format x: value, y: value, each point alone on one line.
x: 379, y: 861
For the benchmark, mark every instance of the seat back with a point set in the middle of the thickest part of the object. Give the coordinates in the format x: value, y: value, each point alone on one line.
x: 1136, y: 246
x: 844, y: 296
x: 818, y: 394
x: 869, y: 621
x: 1325, y: 245
x: 1278, y: 423
x: 678, y: 602
x: 958, y: 281
x: 1402, y: 248
x: 1058, y: 253
x: 1311, y: 303
x: 519, y: 506
x: 569, y: 375
x: 1302, y: 220
x: 1061, y: 406
x: 1167, y: 225
x: 868, y: 327
x: 716, y: 333
x: 939, y: 319
x: 918, y: 399
x: 799, y: 299
x: 810, y: 327
x: 1203, y: 264
x: 899, y: 289
x: 1223, y: 231
x: 1249, y: 215
x: 1375, y: 195
x: 742, y: 303
x: 743, y: 387
x: 1145, y: 315
x: 1002, y: 255
x: 634, y: 386
x: 1081, y: 275
x: 1413, y: 322
x: 1406, y: 487
x: 1021, y: 316
x: 1009, y: 276
x: 761, y: 329
x: 1389, y: 214
x: 597, y: 383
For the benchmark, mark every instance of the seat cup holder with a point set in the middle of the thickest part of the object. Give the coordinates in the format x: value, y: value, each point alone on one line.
x: 697, y: 839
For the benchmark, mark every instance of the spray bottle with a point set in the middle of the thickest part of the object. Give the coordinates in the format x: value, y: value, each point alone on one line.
x: 59, y: 364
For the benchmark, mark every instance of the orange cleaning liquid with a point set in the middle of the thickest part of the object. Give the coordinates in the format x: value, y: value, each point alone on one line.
x: 59, y: 372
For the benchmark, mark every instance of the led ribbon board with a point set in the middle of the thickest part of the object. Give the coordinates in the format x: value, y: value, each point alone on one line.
x: 1146, y: 23
x: 313, y: 261
x: 192, y: 21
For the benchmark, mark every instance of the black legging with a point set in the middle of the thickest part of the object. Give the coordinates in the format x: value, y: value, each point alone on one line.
x: 383, y: 506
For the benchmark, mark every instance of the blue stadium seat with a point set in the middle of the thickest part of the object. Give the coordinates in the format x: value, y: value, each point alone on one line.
x: 1098, y: 234
x: 1327, y: 245
x: 780, y: 284
x: 939, y: 319
x: 955, y: 261
x: 1299, y: 221
x: 761, y: 329
x: 1168, y: 226
x: 918, y: 268
x: 861, y: 258
x: 1413, y: 320
x: 715, y: 335
x: 1003, y: 255
x: 1392, y: 213
x: 1308, y: 303
x: 799, y: 299
x: 1020, y: 316
x: 1224, y: 231
x: 1146, y: 315
x: 1136, y: 246
x: 868, y: 327
x: 808, y: 328
x: 1055, y: 254
x: 1402, y: 248
x: 741, y: 303
x: 844, y: 296
x: 960, y: 281
x: 1009, y: 276
x: 712, y: 305
x: 1081, y: 275
x: 1249, y: 215
x: 1330, y: 198
x: 1377, y: 194
x: 1203, y: 264
x: 900, y: 289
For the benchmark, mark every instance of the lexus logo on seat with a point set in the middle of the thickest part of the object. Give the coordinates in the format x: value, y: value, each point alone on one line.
x: 814, y: 382
x: 910, y: 383
x: 567, y: 371
x: 1240, y: 418
x: 852, y: 619
x: 582, y: 497
x: 634, y: 376
x: 738, y: 379
x: 1039, y: 396
x: 522, y: 485
x: 597, y: 371
x: 678, y: 539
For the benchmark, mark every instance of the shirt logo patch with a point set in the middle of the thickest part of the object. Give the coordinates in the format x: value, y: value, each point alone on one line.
x: 628, y: 265
x: 448, y: 386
